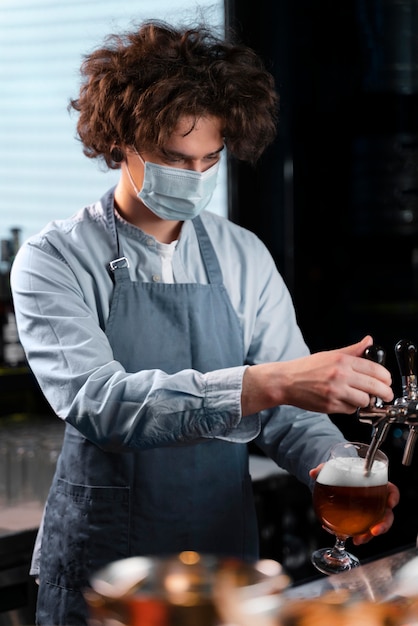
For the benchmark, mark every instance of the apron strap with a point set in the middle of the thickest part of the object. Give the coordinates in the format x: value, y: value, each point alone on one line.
x: 120, y: 268
x: 210, y: 260
x: 120, y: 265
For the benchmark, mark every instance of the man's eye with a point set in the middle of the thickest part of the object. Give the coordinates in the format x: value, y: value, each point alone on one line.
x: 173, y: 159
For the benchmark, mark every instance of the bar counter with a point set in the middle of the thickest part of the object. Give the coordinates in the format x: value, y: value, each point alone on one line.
x: 382, y: 592
x: 28, y: 451
x: 375, y: 581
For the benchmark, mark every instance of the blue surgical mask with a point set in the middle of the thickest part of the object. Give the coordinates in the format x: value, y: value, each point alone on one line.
x: 173, y: 193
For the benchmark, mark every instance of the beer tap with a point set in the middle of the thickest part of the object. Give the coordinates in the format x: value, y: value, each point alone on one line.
x: 404, y: 410
x: 376, y: 413
x: 406, y: 354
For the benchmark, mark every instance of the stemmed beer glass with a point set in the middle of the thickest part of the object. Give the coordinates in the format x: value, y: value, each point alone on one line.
x: 348, y: 501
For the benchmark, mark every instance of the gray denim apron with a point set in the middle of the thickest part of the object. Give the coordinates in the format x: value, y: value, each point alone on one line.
x: 107, y: 506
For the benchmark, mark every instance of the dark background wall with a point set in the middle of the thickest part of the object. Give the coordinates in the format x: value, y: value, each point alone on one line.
x: 336, y: 197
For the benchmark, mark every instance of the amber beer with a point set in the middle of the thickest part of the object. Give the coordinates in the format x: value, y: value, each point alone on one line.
x: 347, y: 501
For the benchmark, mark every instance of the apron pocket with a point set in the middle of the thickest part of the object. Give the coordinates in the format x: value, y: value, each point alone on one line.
x: 85, y: 528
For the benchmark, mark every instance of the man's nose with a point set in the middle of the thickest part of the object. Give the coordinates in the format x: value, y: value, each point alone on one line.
x: 196, y: 166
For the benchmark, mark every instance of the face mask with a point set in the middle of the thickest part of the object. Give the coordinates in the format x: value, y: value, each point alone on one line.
x: 176, y: 194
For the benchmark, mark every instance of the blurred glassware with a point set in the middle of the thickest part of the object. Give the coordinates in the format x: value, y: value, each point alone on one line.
x: 29, y: 448
x: 187, y: 589
x: 250, y: 595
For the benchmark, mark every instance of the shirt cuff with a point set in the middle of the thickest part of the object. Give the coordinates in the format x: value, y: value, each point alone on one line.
x: 223, y: 396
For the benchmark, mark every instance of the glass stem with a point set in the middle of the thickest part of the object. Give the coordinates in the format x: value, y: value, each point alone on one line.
x: 339, y: 546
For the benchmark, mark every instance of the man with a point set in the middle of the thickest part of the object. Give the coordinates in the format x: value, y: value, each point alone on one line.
x: 163, y: 334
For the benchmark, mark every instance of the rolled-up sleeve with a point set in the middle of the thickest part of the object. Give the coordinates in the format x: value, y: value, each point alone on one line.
x: 62, y: 294
x: 73, y: 362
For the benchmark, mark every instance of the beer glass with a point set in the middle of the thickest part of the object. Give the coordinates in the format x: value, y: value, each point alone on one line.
x: 348, y: 501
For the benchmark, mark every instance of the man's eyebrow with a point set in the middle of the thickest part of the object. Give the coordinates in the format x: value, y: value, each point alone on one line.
x: 215, y: 152
x: 181, y: 155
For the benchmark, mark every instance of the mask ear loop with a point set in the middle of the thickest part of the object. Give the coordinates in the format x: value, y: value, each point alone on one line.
x: 138, y: 155
x: 132, y: 180
x: 129, y: 171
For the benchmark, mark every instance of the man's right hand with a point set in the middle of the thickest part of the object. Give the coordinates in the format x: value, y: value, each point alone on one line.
x: 334, y: 381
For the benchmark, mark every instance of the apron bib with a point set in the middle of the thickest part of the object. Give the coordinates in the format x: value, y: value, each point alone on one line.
x: 193, y: 496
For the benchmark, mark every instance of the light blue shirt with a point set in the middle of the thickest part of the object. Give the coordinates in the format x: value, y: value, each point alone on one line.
x: 62, y: 292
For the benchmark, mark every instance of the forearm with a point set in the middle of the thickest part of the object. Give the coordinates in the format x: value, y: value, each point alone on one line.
x: 336, y: 381
x: 261, y: 388
x: 73, y: 361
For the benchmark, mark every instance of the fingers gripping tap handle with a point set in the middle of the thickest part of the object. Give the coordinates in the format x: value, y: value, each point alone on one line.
x: 377, y: 354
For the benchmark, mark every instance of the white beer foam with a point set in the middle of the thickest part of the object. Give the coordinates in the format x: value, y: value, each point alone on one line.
x: 349, y: 472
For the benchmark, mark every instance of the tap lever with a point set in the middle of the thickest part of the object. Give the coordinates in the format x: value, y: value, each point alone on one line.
x: 375, y: 414
x: 378, y: 355
x: 406, y: 353
x: 375, y: 353
x: 372, y: 415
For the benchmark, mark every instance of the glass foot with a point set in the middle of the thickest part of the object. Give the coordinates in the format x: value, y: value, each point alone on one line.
x: 332, y: 561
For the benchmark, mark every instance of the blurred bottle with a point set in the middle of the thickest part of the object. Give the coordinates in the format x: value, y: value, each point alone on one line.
x: 11, y: 351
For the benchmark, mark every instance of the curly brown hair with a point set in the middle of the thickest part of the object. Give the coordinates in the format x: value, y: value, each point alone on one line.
x: 139, y: 84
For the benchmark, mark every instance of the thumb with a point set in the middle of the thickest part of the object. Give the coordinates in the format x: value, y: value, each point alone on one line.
x: 358, y: 349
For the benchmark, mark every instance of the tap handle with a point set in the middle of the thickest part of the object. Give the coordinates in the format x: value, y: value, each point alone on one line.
x: 375, y: 413
x: 375, y: 353
x: 378, y: 355
x: 410, y: 445
x: 406, y: 353
x: 406, y: 356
